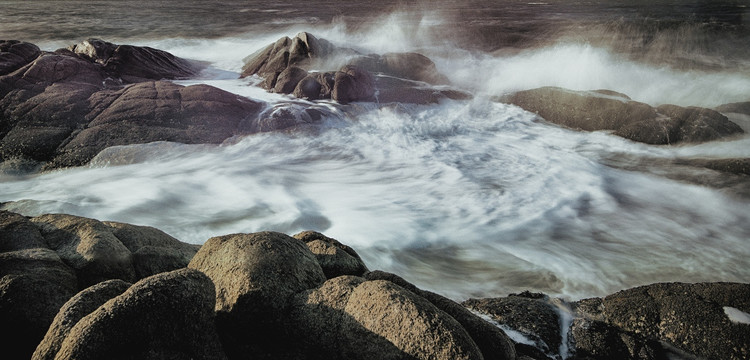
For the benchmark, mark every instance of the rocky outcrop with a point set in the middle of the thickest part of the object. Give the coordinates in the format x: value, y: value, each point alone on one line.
x: 607, y: 110
x: 166, y: 316
x: 410, y: 66
x: 334, y: 258
x: 15, y: 54
x: 63, y: 108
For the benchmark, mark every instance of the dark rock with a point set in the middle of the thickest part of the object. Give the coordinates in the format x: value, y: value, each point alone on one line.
x: 607, y: 110
x: 599, y: 340
x: 34, y: 284
x: 689, y: 316
x: 349, y: 318
x: 287, y: 116
x: 157, y: 111
x: 255, y: 276
x: 88, y: 246
x: 288, y: 79
x: 492, y: 342
x: 15, y: 54
x: 535, y: 318
x: 315, y: 86
x: 17, y: 232
x: 411, y: 66
x: 731, y: 166
x: 391, y: 89
x: 166, y: 316
x: 335, y: 258
x: 134, y: 63
x: 80, y: 305
x: 353, y: 84
x: 300, y: 51
x: 738, y: 108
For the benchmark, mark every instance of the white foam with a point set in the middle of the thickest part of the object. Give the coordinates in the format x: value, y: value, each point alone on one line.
x: 736, y: 315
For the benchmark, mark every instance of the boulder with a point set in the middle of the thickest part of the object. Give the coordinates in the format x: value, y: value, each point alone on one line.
x: 88, y: 246
x: 335, y: 258
x: 288, y: 116
x: 300, y: 51
x: 534, y: 317
x: 135, y: 63
x: 390, y: 89
x: 315, y: 86
x: 594, y: 339
x: 256, y: 275
x: 352, y: 84
x: 288, y: 79
x: 166, y: 316
x: 15, y: 54
x: 691, y: 317
x: 409, y: 65
x: 350, y: 318
x: 80, y: 305
x: 17, y: 232
x: 608, y: 110
x: 34, y: 284
x: 737, y: 108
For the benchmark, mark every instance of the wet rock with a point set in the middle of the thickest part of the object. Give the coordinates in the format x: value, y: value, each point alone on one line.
x: 17, y: 232
x: 731, y: 166
x: 80, y: 305
x: 598, y: 340
x: 409, y: 65
x: 691, y: 317
x: 255, y: 276
x: 391, y: 89
x: 300, y: 51
x: 287, y: 116
x: 166, y: 316
x: 535, y: 318
x: 335, y: 258
x: 288, y: 79
x: 315, y: 86
x: 34, y: 284
x: 737, y: 108
x: 606, y: 110
x: 353, y: 84
x: 15, y: 54
x: 135, y: 63
x: 88, y: 246
x: 492, y: 342
x: 359, y: 319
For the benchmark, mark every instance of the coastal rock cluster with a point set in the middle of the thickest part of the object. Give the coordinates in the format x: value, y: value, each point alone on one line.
x: 78, y: 288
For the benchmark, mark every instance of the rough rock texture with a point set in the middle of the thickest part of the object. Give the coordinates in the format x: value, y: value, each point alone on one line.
x: 350, y: 318
x: 689, y: 316
x: 255, y: 276
x: 353, y: 84
x: 80, y: 305
x: 34, y: 284
x: 335, y: 258
x: 15, y: 54
x: 300, y: 51
x: 598, y: 340
x: 492, y: 342
x: 65, y: 107
x: 607, y: 110
x: 18, y: 233
x: 533, y: 317
x: 166, y: 316
x: 315, y: 86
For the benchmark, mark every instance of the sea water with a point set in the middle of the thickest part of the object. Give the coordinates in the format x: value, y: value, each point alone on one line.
x: 467, y: 198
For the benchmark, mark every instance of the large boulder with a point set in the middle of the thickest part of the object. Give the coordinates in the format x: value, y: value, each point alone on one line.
x: 34, y: 284
x: 17, y: 232
x: 315, y: 86
x: 300, y: 51
x: 594, y: 339
x: 15, y: 54
x: 135, y: 63
x: 350, y: 318
x: 607, y: 110
x: 335, y: 258
x: 166, y: 316
x: 80, y: 305
x: 352, y: 84
x: 391, y: 89
x: 409, y: 65
x: 256, y: 275
x: 692, y: 317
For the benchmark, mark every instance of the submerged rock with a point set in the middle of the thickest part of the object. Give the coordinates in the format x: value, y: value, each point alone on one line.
x: 607, y: 110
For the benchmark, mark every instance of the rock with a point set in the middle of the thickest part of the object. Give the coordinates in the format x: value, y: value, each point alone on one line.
x: 335, y: 258
x: 166, y: 316
x: 598, y: 340
x: 353, y: 84
x: 730, y: 166
x: 607, y: 110
x: 80, y: 305
x: 738, y: 108
x: 410, y: 65
x: 288, y: 79
x: 492, y: 342
x: 135, y: 63
x: 15, y: 54
x: 315, y: 86
x: 18, y: 233
x: 689, y: 316
x: 535, y: 318
x: 391, y: 89
x: 34, y: 284
x: 288, y: 116
x: 300, y: 51
x: 158, y: 111
x: 349, y: 318
x: 255, y: 276
x: 88, y: 246
x: 153, y: 250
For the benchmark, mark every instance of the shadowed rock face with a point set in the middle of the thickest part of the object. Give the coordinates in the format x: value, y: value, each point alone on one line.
x: 607, y: 110
x: 15, y: 54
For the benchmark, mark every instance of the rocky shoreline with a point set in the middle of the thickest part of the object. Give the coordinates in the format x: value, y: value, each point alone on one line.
x: 79, y: 288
